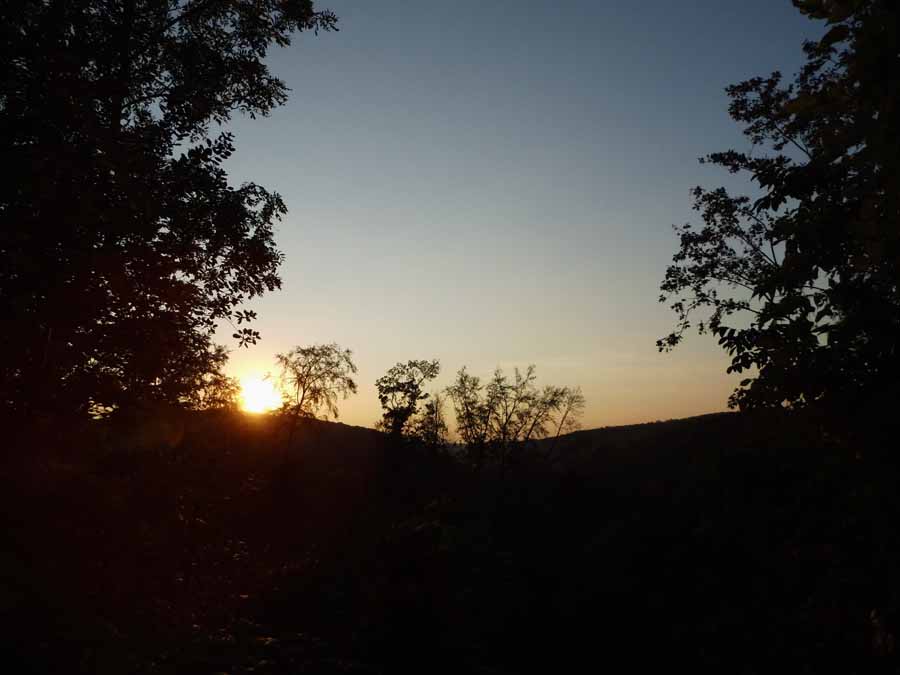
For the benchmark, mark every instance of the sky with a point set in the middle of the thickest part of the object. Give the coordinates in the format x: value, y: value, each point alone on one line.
x: 494, y: 184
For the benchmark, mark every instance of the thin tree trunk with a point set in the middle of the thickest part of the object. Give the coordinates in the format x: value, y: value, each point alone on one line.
x: 295, y: 419
x: 558, y: 431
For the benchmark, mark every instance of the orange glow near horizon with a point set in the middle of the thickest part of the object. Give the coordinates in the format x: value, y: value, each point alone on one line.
x: 259, y: 395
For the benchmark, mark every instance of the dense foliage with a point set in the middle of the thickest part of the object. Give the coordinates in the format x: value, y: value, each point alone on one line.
x: 428, y: 427
x: 400, y: 391
x: 122, y: 243
x: 802, y: 281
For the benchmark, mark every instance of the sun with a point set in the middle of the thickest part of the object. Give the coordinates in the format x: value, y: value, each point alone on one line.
x: 259, y: 395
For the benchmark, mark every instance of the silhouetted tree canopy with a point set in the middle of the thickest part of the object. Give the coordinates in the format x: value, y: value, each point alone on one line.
x: 802, y: 281
x: 494, y: 418
x: 122, y: 243
x: 211, y: 388
x: 400, y: 390
x: 314, y: 377
x: 429, y: 426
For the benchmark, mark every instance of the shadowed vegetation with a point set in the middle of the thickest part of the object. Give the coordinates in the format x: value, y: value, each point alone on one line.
x: 150, y: 527
x: 203, y: 547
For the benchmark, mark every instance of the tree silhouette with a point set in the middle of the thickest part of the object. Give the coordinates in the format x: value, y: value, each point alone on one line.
x: 494, y: 419
x: 211, y: 387
x: 569, y: 410
x: 429, y: 425
x: 473, y: 415
x: 400, y: 390
x: 801, y: 283
x: 313, y: 378
x: 122, y: 243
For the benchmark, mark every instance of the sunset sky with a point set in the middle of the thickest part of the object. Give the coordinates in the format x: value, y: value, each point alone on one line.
x: 494, y: 183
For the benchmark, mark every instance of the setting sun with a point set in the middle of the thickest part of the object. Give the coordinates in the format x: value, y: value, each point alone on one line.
x: 259, y: 395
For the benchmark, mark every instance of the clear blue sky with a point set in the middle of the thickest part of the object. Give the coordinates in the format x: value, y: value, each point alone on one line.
x: 494, y: 183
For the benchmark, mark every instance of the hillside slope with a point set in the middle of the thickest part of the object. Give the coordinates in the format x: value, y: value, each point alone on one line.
x: 727, y: 542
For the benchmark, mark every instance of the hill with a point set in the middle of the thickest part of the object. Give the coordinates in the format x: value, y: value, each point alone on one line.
x: 203, y: 543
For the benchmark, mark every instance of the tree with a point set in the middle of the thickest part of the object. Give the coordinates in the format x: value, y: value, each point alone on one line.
x: 429, y: 426
x: 122, y: 244
x: 569, y: 409
x: 495, y: 419
x: 212, y: 389
x: 473, y: 415
x: 801, y: 283
x: 400, y: 390
x: 313, y: 378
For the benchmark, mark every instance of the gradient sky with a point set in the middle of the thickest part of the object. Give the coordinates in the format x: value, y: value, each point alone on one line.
x: 494, y: 183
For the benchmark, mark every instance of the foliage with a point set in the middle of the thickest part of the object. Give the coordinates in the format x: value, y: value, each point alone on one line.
x: 122, y: 243
x: 212, y: 389
x: 313, y: 378
x: 429, y: 426
x: 710, y: 535
x: 801, y: 282
x: 569, y: 410
x: 400, y: 390
x: 494, y: 418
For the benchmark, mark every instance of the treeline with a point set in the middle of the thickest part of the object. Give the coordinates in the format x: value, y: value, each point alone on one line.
x: 492, y: 417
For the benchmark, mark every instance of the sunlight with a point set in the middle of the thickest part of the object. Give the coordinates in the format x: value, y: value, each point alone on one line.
x: 259, y: 395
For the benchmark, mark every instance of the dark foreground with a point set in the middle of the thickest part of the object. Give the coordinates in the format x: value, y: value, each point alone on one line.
x: 203, y: 545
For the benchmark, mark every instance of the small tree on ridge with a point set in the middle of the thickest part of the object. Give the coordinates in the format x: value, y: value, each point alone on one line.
x: 312, y: 378
x: 400, y: 390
